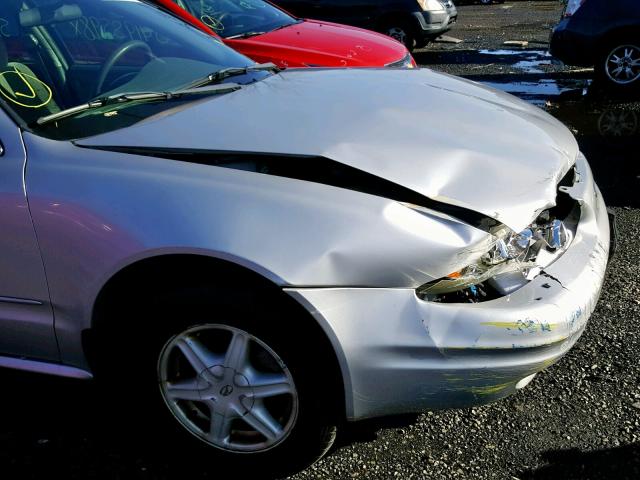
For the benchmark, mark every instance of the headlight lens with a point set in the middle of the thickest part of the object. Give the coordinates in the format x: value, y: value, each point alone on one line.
x: 406, y: 62
x: 510, y: 252
x: 430, y: 5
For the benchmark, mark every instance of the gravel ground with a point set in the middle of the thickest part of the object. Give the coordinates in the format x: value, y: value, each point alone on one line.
x: 580, y: 419
x: 487, y: 28
x: 482, y: 26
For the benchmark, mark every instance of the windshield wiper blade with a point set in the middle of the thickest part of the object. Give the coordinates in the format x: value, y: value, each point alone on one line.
x: 121, y: 98
x: 217, y: 77
x: 102, y: 102
x: 245, y: 35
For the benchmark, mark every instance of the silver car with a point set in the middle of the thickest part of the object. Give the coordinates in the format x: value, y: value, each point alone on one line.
x: 261, y: 254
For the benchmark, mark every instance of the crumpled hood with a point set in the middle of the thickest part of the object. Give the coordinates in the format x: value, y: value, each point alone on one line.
x: 446, y: 138
x: 322, y: 44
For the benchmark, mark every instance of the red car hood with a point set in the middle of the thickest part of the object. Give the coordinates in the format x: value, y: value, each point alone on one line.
x: 321, y: 44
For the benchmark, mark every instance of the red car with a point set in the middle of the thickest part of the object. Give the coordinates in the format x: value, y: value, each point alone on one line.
x: 266, y: 33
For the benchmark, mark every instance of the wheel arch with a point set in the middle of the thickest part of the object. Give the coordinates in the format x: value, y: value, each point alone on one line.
x: 168, y: 271
x: 387, y: 18
x: 621, y: 31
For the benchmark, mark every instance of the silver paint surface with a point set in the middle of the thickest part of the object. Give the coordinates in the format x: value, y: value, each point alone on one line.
x: 26, y: 328
x: 446, y: 138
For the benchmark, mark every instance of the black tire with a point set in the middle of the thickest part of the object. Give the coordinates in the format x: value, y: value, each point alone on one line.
x: 401, y: 31
x: 422, y: 43
x: 606, y: 69
x: 139, y: 347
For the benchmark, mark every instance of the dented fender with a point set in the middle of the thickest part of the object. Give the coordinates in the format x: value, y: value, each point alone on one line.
x: 433, y: 355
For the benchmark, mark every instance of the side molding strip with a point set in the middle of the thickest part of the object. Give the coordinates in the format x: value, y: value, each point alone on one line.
x: 19, y: 301
x: 44, y: 368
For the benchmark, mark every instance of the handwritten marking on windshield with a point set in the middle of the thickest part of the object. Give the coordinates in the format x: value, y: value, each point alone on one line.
x: 248, y: 6
x: 212, y: 22
x: 4, y: 27
x: 106, y: 29
x: 27, y: 97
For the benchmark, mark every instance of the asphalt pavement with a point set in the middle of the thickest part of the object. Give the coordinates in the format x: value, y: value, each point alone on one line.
x: 580, y: 419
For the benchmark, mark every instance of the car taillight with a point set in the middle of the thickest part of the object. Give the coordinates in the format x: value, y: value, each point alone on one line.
x: 572, y: 7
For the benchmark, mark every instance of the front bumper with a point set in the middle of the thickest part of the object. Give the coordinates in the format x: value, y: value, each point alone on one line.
x: 400, y: 354
x: 430, y: 25
x: 571, y: 46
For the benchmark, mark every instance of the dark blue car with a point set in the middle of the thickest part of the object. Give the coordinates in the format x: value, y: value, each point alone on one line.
x: 604, y: 34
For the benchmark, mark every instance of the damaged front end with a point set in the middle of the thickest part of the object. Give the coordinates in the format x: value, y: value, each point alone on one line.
x: 481, y: 334
x: 512, y: 259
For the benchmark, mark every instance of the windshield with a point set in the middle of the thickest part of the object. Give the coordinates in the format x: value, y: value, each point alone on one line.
x: 234, y: 18
x: 58, y: 54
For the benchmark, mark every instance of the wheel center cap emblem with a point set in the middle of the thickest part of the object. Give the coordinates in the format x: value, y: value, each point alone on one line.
x: 226, y: 390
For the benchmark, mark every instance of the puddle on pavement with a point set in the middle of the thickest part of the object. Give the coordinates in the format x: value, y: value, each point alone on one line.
x: 528, y: 61
x: 539, y: 92
x: 526, y: 78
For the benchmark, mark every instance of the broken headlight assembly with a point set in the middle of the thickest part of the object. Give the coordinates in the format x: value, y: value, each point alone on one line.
x: 512, y: 261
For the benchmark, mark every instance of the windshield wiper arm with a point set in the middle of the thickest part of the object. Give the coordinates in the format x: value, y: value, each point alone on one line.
x: 245, y: 35
x: 121, y: 98
x: 102, y: 102
x: 256, y: 33
x: 297, y: 21
x: 217, y: 77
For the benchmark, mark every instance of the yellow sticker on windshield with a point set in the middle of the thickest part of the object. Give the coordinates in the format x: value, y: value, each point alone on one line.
x: 30, y: 92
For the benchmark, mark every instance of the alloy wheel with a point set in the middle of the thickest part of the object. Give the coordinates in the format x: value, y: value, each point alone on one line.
x: 228, y: 388
x: 614, y: 123
x: 622, y: 65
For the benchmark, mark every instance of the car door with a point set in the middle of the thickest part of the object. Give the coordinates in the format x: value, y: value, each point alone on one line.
x: 26, y: 319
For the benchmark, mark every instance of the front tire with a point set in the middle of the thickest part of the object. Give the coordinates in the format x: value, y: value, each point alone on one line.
x: 228, y: 382
x: 401, y: 32
x: 219, y: 383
